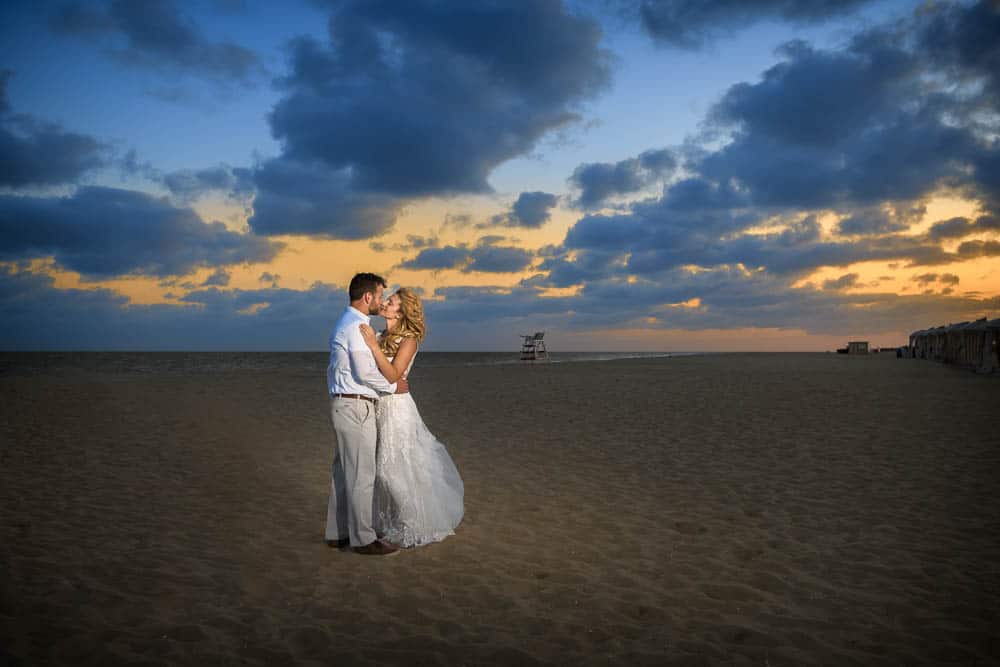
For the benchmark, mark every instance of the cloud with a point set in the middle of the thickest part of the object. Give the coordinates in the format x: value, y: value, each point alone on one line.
x: 531, y: 210
x: 36, y: 315
x: 845, y: 281
x: 308, y: 198
x: 446, y: 91
x: 457, y: 220
x: 437, y: 259
x: 5, y: 76
x: 823, y: 131
x: 879, y: 221
x: 485, y: 257
x: 156, y: 34
x: 955, y: 228
x: 976, y: 249
x: 498, y: 259
x: 599, y: 181
x: 39, y: 316
x: 190, y: 184
x: 925, y: 279
x: 690, y: 24
x: 928, y: 278
x: 654, y: 239
x: 218, y: 278
x: 102, y: 232
x: 413, y: 242
x: 35, y: 153
x: 727, y: 297
x: 130, y: 165
x: 962, y: 39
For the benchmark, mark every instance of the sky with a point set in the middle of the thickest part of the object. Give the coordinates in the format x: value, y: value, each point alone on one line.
x: 662, y: 175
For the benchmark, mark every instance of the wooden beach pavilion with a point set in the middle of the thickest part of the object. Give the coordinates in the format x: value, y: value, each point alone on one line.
x: 974, y: 345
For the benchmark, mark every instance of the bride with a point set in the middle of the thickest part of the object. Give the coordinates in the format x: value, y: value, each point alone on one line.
x: 418, y: 492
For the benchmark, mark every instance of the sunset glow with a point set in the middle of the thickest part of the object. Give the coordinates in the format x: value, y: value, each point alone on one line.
x: 629, y: 185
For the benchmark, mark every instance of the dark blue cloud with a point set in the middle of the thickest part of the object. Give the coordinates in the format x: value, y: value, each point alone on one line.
x: 426, y: 98
x: 729, y: 298
x: 5, y: 76
x: 498, y: 259
x: 40, y: 154
x: 599, y: 181
x: 825, y: 128
x: 845, y: 281
x: 309, y: 198
x: 531, y: 210
x: 928, y: 278
x: 189, y: 184
x: 486, y: 256
x: 878, y: 221
x: 820, y: 98
x: 962, y: 39
x: 36, y: 315
x: 868, y: 131
x: 103, y: 232
x: 218, y: 278
x: 437, y: 259
x: 158, y: 35
x: 863, y: 132
x: 655, y: 238
x: 956, y: 228
x: 607, y: 232
x: 34, y: 153
x: 690, y: 24
x: 585, y: 266
x: 987, y: 176
x: 413, y: 242
x: 977, y: 249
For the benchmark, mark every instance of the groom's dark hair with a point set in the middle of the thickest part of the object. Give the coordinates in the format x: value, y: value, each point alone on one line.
x: 364, y: 282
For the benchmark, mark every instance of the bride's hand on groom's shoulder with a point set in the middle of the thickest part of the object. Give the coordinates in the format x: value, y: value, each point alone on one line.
x: 368, y: 334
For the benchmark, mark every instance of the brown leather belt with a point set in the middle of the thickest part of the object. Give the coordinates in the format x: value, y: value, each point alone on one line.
x: 361, y: 396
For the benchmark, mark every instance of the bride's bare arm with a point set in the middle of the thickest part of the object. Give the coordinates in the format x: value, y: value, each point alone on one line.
x: 400, y: 362
x: 391, y: 370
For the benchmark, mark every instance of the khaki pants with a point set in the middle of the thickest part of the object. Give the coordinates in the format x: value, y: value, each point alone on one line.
x: 352, y: 483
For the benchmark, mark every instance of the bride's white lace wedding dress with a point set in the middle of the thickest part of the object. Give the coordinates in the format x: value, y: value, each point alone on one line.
x: 419, y: 495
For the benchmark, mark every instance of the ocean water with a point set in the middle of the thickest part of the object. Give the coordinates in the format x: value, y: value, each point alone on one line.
x: 195, y: 363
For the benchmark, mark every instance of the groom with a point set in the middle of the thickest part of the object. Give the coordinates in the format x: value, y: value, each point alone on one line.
x: 355, y: 383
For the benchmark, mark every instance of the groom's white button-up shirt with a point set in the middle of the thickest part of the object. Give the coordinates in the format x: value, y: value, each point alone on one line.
x: 352, y: 368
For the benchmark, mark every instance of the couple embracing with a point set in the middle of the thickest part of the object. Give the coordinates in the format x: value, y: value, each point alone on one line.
x: 393, y: 483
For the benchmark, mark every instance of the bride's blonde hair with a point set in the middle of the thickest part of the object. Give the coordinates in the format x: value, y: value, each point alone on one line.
x: 410, y: 323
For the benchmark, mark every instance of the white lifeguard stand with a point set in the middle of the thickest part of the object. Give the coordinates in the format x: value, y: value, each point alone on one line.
x: 533, y: 347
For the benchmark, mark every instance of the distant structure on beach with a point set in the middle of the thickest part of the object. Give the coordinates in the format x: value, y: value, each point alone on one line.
x: 533, y: 347
x: 857, y: 347
x: 974, y: 345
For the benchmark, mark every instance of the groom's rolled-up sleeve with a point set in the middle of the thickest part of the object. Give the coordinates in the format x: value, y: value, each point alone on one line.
x: 365, y: 369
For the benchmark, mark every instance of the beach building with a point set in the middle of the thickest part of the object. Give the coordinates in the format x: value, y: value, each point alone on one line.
x: 974, y: 345
x: 857, y: 347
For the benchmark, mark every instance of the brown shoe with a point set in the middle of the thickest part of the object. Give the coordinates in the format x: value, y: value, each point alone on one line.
x: 338, y: 544
x: 377, y: 548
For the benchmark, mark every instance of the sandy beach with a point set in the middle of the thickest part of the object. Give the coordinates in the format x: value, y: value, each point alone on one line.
x: 759, y: 509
